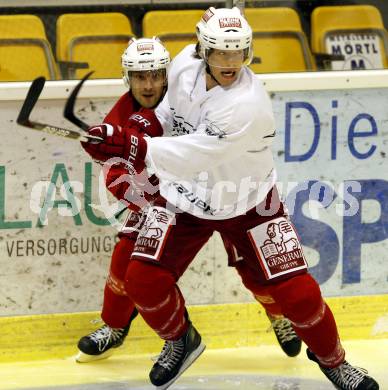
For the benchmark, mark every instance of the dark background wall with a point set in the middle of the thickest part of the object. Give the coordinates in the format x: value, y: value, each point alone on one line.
x: 135, y: 13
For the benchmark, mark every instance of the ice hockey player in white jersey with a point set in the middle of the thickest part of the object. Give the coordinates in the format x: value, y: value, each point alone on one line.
x: 216, y: 110
x: 216, y: 173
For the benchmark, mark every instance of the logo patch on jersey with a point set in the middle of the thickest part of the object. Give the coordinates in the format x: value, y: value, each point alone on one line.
x: 277, y: 247
x: 141, y: 120
x: 207, y: 15
x: 230, y: 22
x: 133, y: 222
x: 194, y: 199
x: 145, y: 47
x: 214, y: 130
x: 154, y: 233
x: 179, y: 125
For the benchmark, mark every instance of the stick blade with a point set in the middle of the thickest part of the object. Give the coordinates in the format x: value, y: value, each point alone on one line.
x: 30, y: 100
x: 68, y: 111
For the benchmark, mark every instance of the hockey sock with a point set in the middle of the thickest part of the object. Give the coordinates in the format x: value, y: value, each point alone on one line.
x: 157, y: 298
x: 118, y: 307
x: 301, y: 302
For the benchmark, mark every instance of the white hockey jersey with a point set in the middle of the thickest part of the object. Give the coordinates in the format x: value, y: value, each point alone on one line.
x: 214, y: 160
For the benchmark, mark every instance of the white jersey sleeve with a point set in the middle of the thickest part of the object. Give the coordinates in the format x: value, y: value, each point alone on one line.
x: 224, y: 134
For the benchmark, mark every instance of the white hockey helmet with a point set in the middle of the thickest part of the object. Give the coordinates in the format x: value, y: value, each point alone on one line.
x: 224, y: 29
x: 144, y: 54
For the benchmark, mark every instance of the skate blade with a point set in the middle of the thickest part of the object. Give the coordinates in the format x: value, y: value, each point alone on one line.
x: 82, y: 357
x: 191, y: 359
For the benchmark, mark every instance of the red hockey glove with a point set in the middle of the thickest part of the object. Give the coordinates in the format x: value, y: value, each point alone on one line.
x: 91, y: 147
x: 124, y: 142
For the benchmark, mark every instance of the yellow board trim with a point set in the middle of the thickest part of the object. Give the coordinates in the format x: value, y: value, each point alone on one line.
x: 55, y: 336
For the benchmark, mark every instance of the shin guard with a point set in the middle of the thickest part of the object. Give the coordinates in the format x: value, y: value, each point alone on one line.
x: 158, y: 299
x: 118, y: 308
x: 301, y: 302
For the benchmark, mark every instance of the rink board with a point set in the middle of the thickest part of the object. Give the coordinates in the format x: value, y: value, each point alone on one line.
x: 222, y: 326
x: 330, y: 106
x: 331, y: 137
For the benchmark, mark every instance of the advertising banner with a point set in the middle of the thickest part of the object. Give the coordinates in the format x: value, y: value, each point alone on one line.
x: 56, y: 237
x: 331, y: 149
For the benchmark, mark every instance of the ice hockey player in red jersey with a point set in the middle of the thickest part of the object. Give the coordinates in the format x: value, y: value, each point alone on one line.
x: 144, y: 63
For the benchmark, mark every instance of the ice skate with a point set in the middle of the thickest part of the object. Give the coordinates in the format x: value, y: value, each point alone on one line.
x: 175, y: 358
x: 347, y: 377
x: 100, y: 344
x: 289, y: 341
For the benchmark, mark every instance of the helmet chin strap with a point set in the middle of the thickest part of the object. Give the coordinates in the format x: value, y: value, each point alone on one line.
x: 209, y: 72
x: 161, y: 97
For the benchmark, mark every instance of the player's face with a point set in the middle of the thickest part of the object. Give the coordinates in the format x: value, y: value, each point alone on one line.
x: 225, y: 65
x: 147, y: 86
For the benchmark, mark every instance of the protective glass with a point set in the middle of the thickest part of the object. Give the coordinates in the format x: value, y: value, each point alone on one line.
x: 147, y: 79
x: 228, y: 58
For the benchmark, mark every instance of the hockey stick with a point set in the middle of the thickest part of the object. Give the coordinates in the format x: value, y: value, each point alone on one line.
x: 32, y: 97
x: 69, y: 114
x: 68, y: 111
x: 23, y: 118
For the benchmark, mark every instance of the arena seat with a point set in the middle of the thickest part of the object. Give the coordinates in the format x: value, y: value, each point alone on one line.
x: 176, y: 29
x: 279, y: 42
x: 92, y: 41
x: 355, y: 32
x: 25, y: 52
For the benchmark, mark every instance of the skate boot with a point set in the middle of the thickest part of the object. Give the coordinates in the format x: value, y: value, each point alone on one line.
x: 102, y: 342
x: 347, y: 377
x: 287, y: 338
x: 175, y: 358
